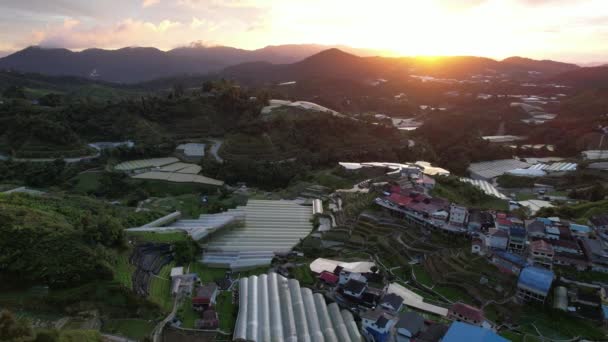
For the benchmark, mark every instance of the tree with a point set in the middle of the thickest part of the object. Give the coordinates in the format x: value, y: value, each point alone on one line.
x: 14, y: 92
x: 14, y: 330
x: 186, y: 251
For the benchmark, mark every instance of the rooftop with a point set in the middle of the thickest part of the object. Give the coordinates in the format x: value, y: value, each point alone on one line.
x: 410, y: 321
x: 468, y: 311
x: 536, y: 278
x: 512, y: 258
x: 459, y: 332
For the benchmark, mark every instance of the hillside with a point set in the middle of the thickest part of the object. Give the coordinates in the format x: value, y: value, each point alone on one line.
x: 546, y: 67
x: 135, y: 64
x: 593, y: 77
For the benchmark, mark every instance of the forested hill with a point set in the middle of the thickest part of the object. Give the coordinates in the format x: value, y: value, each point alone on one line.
x: 61, y: 241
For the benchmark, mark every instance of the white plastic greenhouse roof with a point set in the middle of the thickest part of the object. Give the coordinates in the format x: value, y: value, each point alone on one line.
x: 319, y: 265
x: 269, y: 227
x: 274, y: 308
x: 484, y: 186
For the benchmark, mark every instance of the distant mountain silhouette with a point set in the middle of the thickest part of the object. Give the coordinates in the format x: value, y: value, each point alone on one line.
x: 141, y: 64
x: 544, y: 66
x: 593, y: 77
x: 269, y: 64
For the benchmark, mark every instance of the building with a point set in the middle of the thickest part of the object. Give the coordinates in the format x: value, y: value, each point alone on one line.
x: 459, y: 332
x: 433, y: 333
x: 458, y: 215
x: 480, y: 220
x: 597, y: 253
x: 204, y: 297
x: 508, y: 262
x: 345, y: 276
x: 329, y: 278
x: 209, y: 320
x: 478, y: 246
x: 354, y: 288
x: 378, y: 324
x: 534, y: 284
x: 409, y: 325
x: 541, y: 254
x: 392, y: 302
x: 536, y: 229
x: 498, y: 240
x: 466, y: 313
x: 517, y: 240
x: 599, y: 221
x: 579, y: 230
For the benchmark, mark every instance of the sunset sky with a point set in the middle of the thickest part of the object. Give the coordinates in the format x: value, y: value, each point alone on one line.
x: 568, y: 30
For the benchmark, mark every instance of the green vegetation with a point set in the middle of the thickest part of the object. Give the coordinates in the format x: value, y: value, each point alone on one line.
x: 304, y: 275
x: 123, y: 270
x: 87, y: 182
x: 226, y: 310
x: 187, y: 314
x: 466, y: 194
x: 579, y: 212
x: 136, y: 329
x: 80, y: 336
x: 160, y: 288
x: 61, y: 241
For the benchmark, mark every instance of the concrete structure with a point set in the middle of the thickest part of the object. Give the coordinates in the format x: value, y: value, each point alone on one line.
x: 378, y: 324
x: 541, y: 254
x: 534, y: 284
x: 409, y: 325
x: 274, y: 308
x: 461, y: 312
x: 458, y: 215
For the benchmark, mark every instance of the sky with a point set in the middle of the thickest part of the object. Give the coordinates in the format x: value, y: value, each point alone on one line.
x: 565, y: 30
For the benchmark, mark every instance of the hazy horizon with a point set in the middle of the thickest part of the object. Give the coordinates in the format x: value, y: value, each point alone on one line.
x: 570, y: 31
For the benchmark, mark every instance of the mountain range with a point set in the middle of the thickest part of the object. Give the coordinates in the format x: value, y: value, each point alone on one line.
x: 277, y: 64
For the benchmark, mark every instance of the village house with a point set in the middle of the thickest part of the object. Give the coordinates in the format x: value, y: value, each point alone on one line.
x: 517, y: 240
x: 597, y: 252
x: 392, y: 302
x: 209, y: 320
x: 459, y: 332
x: 498, y: 240
x: 354, y: 288
x: 536, y: 229
x: 480, y: 220
x: 600, y: 222
x: 204, y: 297
x: 466, y: 313
x: 508, y: 262
x: 458, y: 215
x: 409, y: 325
x: 534, y: 284
x: 478, y: 246
x: 378, y: 324
x: 541, y: 254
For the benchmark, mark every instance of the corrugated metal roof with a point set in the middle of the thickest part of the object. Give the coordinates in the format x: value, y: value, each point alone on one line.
x: 536, y: 279
x: 459, y: 332
x: 484, y: 186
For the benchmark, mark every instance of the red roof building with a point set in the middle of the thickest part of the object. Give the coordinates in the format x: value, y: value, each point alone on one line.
x: 329, y: 278
x: 466, y: 313
x: 204, y: 297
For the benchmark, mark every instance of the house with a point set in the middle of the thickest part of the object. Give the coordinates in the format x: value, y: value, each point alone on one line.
x: 517, y: 240
x: 599, y: 222
x: 577, y: 261
x: 541, y: 254
x: 508, y: 262
x: 597, y: 253
x: 354, y: 288
x: 503, y: 223
x: 459, y: 332
x: 409, y: 325
x: 498, y: 240
x: 579, y: 230
x: 478, y: 246
x: 209, y: 320
x: 480, y: 220
x: 466, y: 313
x: 329, y: 278
x: 345, y: 276
x: 458, y: 215
x: 534, y: 284
x: 433, y: 333
x: 182, y: 283
x: 371, y: 296
x: 536, y: 229
x: 392, y: 302
x: 378, y: 324
x: 204, y: 297
x: 552, y: 233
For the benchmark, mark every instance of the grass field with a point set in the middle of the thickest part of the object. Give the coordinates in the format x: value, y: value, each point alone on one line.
x: 226, y: 311
x: 136, y: 329
x: 158, y: 237
x: 160, y: 288
x: 80, y: 336
x: 186, y: 314
x: 123, y: 270
x: 207, y: 274
x: 422, y: 276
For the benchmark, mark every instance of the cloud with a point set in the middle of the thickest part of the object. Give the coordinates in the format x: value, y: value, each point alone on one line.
x: 129, y: 32
x: 148, y: 3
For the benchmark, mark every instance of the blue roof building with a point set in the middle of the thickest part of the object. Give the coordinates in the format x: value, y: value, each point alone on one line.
x: 459, y: 332
x: 579, y: 229
x: 534, y: 283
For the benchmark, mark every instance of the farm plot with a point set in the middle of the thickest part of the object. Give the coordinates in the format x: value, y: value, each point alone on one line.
x: 150, y: 261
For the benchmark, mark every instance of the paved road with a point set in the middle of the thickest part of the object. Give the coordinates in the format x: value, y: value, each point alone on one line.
x: 217, y: 143
x: 158, y: 331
